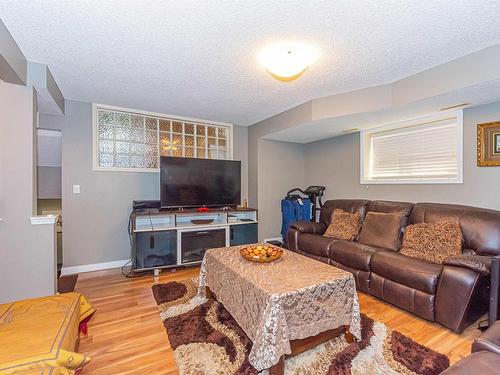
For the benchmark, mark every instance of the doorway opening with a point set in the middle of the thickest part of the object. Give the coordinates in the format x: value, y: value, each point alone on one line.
x: 49, y: 182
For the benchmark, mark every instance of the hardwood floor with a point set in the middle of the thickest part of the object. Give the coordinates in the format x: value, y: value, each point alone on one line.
x: 126, y: 335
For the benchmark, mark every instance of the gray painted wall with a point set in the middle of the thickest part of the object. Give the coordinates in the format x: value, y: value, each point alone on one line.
x: 13, y: 64
x: 240, y: 152
x: 50, y: 97
x: 49, y: 182
x: 256, y: 132
x: 335, y: 163
x: 95, y: 221
x: 281, y: 168
x: 27, y: 251
x: 271, y: 171
x: 54, y: 90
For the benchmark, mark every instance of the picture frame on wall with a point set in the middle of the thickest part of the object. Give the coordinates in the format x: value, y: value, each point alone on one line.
x: 488, y: 144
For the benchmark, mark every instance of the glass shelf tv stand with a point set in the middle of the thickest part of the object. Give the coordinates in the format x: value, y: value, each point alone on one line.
x: 168, y: 239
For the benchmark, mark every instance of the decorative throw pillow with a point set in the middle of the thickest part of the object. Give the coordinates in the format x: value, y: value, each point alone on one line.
x: 433, y: 242
x: 343, y: 225
x: 382, y: 230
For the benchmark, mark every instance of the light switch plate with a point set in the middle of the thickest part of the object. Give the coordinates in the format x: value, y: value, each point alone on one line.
x: 76, y: 189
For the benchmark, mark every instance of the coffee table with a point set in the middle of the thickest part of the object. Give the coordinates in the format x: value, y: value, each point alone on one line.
x: 285, y: 307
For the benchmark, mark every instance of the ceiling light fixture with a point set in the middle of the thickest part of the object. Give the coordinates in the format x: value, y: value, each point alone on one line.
x: 287, y: 61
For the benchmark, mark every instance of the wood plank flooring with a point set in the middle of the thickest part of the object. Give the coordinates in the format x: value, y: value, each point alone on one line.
x: 126, y: 335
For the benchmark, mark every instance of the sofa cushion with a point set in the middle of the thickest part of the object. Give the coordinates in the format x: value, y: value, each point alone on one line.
x: 415, y: 273
x: 382, y: 230
x: 432, y: 242
x: 344, y: 225
x: 315, y: 244
x: 352, y: 254
x: 348, y: 205
x: 361, y: 277
x: 389, y: 207
x: 408, y: 298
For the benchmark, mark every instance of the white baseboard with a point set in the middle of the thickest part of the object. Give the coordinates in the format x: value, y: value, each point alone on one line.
x: 93, y: 267
x: 273, y: 239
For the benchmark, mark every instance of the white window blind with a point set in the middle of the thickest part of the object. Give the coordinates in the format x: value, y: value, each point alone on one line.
x: 427, y: 150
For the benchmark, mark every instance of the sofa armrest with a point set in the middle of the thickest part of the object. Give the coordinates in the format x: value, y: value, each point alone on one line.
x: 489, y: 340
x: 484, y: 363
x: 462, y: 297
x: 477, y: 263
x: 309, y: 227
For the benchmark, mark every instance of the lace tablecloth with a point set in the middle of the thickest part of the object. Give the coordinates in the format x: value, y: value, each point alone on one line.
x: 291, y: 298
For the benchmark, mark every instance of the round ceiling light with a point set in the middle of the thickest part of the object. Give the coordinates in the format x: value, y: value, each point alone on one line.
x: 287, y: 61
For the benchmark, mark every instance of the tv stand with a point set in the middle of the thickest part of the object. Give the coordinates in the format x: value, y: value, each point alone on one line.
x: 173, y: 237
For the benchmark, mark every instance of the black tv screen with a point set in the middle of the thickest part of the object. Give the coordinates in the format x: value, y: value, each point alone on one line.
x: 186, y: 182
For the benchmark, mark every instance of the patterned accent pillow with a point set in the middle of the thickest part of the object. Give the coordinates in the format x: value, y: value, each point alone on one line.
x: 343, y: 225
x: 433, y: 242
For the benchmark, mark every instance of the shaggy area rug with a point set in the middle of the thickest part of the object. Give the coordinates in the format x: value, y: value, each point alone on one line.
x: 208, y: 341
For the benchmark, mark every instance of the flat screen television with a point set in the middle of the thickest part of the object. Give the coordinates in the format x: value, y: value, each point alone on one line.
x: 188, y: 182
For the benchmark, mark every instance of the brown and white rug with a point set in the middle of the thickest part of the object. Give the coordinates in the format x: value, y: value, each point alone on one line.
x: 208, y: 341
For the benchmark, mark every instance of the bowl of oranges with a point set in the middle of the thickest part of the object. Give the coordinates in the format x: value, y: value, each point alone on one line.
x: 261, y: 253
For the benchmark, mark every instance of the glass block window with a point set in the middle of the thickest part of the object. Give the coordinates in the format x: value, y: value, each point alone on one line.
x: 128, y: 140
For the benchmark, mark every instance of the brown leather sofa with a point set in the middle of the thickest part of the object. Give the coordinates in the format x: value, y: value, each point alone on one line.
x: 454, y: 293
x: 485, y: 356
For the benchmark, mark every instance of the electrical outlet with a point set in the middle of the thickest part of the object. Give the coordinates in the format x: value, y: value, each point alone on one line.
x: 76, y: 189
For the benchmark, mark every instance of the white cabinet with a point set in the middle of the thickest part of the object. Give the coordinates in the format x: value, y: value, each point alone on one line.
x: 163, y: 239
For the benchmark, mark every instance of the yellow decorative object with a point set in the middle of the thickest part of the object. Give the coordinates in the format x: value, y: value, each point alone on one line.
x: 40, y: 335
x: 261, y: 253
x: 488, y: 144
x: 170, y: 145
x: 47, y: 370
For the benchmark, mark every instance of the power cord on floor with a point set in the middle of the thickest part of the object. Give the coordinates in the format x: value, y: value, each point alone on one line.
x: 127, y: 271
x: 127, y: 267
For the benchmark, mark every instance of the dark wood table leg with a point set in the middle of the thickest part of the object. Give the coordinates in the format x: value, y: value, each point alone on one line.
x: 348, y: 336
x: 302, y: 345
x: 208, y: 292
x: 278, y: 368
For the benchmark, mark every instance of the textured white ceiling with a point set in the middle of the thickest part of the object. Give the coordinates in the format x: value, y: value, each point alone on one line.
x: 198, y: 59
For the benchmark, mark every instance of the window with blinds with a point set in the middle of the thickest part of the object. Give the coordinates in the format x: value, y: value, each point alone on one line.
x: 425, y: 150
x: 134, y: 141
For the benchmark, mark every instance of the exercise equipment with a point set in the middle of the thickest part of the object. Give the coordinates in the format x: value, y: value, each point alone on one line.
x: 300, y: 205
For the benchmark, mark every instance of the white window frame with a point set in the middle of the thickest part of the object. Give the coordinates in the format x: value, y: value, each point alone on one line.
x: 95, y: 135
x: 364, y: 157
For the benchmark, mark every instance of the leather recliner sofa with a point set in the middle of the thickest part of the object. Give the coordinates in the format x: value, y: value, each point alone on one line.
x: 454, y: 293
x: 485, y: 356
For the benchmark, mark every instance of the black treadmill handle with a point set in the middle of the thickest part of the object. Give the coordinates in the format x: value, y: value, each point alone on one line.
x: 320, y: 204
x: 315, y: 190
x: 289, y: 193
